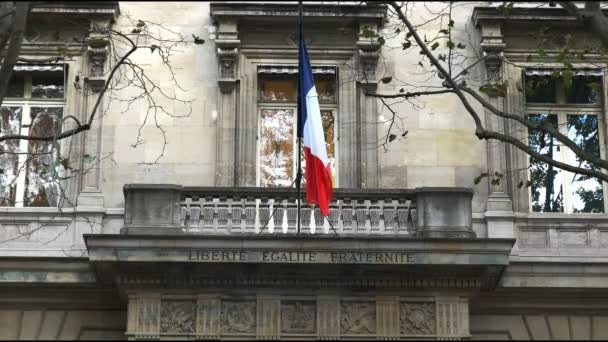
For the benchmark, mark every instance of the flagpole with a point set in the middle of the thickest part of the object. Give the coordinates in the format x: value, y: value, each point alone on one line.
x: 299, y: 164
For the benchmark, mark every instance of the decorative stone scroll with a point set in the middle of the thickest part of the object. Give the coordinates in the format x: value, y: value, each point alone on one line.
x: 97, y: 52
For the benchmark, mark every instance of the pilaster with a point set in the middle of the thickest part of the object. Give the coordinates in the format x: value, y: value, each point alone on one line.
x: 227, y: 44
x: 499, y: 214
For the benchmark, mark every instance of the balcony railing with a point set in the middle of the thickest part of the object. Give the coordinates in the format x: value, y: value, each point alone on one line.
x: 173, y: 209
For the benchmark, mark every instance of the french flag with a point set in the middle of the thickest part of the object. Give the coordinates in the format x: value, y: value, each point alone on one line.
x: 319, y: 187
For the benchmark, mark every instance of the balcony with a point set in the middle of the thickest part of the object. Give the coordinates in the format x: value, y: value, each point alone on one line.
x: 166, y: 209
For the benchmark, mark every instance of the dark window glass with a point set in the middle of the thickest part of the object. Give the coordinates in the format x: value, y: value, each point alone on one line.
x: 278, y: 87
x: 326, y: 87
x: 584, y: 89
x: 48, y: 84
x: 546, y: 185
x: 540, y: 89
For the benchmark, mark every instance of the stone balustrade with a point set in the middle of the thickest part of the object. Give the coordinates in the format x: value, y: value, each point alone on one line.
x: 173, y: 209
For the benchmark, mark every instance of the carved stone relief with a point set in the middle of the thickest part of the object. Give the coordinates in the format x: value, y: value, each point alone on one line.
x: 357, y: 317
x: 177, y: 317
x: 417, y: 318
x: 238, y: 317
x: 298, y: 316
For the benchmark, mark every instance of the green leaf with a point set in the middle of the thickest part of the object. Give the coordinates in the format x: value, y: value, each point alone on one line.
x: 140, y: 23
x: 386, y: 79
x: 409, y: 34
x: 401, y: 90
x: 441, y: 57
x: 450, y: 44
x: 397, y: 30
x: 434, y: 46
x: 391, y: 137
x: 461, y: 46
x: 1, y: 171
x: 451, y: 23
x: 87, y: 158
x: 444, y: 31
x: 381, y: 40
x: 135, y: 31
x: 407, y: 44
x: 420, y: 63
x: 404, y: 133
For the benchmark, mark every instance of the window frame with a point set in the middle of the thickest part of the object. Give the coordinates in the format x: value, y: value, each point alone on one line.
x: 27, y: 102
x: 291, y: 105
x: 561, y: 109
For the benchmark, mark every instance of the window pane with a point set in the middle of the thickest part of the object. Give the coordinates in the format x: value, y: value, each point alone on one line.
x: 10, y: 123
x: 278, y: 88
x: 16, y: 85
x: 47, y: 84
x: 328, y: 128
x: 546, y: 181
x: 326, y: 87
x: 277, y: 150
x: 584, y: 89
x: 587, y: 192
x: 42, y: 184
x: 540, y: 89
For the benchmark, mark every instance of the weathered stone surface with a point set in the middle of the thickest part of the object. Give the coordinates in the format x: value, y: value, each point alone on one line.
x: 417, y: 318
x: 357, y: 317
x: 177, y: 317
x: 238, y: 317
x: 298, y: 316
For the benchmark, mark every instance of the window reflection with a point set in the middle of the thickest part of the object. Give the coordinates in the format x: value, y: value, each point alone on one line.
x: 10, y: 123
x: 546, y: 185
x: 41, y: 184
x: 587, y: 192
x: 48, y: 84
x: 277, y: 149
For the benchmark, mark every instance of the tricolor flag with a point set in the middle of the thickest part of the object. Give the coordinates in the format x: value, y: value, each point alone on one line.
x: 319, y: 187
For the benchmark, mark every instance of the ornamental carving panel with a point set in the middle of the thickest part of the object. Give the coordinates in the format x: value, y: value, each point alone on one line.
x: 417, y: 318
x: 357, y: 317
x: 177, y: 317
x: 238, y: 317
x: 298, y: 317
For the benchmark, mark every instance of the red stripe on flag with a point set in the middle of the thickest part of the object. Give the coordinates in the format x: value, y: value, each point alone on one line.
x: 319, y: 187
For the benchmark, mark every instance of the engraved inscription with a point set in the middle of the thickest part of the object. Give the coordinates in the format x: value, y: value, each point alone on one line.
x: 358, y: 317
x: 417, y: 318
x: 238, y: 317
x: 298, y: 316
x: 177, y: 317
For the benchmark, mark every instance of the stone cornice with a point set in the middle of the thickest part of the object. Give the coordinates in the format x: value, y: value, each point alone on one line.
x: 347, y: 10
x: 110, y: 9
x: 557, y: 14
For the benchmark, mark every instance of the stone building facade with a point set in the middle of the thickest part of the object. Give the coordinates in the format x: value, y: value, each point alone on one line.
x: 202, y: 243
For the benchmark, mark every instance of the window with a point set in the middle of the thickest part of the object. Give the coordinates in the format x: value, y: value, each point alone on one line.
x: 33, y: 106
x: 277, y: 105
x: 574, y: 108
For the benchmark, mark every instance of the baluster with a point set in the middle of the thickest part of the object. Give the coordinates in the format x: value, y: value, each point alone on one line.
x: 347, y: 216
x: 313, y: 223
x: 236, y: 215
x: 334, y: 216
x: 374, y: 216
x: 402, y: 217
x: 389, y: 216
x: 271, y: 218
x: 250, y: 214
x: 257, y: 216
x: 361, y: 214
x: 184, y: 211
x: 305, y: 217
x: 292, y: 214
x: 285, y: 224
x: 222, y: 215
x: 195, y: 216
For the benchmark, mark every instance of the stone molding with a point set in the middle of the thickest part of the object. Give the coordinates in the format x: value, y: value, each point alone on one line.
x: 155, y: 315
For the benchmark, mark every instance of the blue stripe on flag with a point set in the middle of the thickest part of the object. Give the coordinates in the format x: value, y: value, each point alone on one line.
x: 306, y: 82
